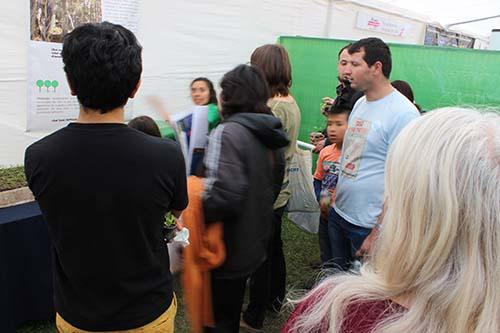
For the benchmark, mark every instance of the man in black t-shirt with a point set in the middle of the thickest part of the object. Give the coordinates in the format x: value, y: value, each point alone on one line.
x: 104, y: 189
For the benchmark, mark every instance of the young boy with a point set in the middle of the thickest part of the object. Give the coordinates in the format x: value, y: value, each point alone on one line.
x: 327, y: 172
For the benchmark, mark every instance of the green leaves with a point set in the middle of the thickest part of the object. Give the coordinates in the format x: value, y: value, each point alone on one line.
x: 169, y: 221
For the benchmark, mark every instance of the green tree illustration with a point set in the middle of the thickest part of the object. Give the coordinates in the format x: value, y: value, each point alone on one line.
x: 39, y: 84
x: 48, y: 84
x: 55, y: 84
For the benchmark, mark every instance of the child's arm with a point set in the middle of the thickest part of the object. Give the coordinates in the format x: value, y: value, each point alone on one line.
x: 317, y: 188
x: 319, y: 174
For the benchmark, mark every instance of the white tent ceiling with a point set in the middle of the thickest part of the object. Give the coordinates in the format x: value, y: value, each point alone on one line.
x: 452, y: 11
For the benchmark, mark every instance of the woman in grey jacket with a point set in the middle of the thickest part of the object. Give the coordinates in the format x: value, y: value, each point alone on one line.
x: 244, y: 168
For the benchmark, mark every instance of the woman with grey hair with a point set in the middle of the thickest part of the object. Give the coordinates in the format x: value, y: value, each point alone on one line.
x: 436, y: 264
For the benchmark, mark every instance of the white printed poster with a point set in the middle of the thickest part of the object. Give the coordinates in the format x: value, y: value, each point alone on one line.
x: 381, y: 24
x: 50, y: 104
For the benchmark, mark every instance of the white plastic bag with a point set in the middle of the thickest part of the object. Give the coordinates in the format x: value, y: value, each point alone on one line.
x: 180, y: 241
x: 302, y: 207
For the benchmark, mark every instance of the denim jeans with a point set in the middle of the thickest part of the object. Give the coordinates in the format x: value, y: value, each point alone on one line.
x: 345, y: 239
x: 325, y: 251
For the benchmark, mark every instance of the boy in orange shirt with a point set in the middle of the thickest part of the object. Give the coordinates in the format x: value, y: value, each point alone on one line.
x: 327, y: 172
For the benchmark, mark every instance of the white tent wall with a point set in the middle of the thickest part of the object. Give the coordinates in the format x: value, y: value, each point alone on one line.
x: 181, y: 40
x: 14, y: 35
x: 186, y: 39
x: 14, y: 32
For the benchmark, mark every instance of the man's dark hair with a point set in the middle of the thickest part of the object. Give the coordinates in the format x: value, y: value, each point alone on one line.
x: 273, y: 60
x: 213, y: 95
x: 346, y: 47
x: 244, y: 89
x: 103, y: 64
x: 146, y: 125
x: 375, y: 50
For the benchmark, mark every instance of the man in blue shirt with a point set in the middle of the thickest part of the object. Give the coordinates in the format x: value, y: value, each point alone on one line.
x: 376, y: 120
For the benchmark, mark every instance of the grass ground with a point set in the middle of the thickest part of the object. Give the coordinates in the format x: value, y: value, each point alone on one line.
x: 300, y: 249
x: 11, y: 178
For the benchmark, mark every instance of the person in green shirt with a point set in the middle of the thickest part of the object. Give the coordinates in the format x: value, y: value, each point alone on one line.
x: 203, y: 94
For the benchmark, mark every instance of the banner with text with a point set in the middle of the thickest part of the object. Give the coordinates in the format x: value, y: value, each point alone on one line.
x: 382, y: 24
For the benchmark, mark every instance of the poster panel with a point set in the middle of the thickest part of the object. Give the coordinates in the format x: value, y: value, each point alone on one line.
x: 441, y: 37
x: 381, y: 24
x: 50, y: 104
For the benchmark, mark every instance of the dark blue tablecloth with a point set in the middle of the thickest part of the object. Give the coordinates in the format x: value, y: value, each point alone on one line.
x: 25, y: 267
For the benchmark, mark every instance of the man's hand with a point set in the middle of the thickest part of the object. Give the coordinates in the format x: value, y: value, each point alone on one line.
x: 327, y: 103
x: 318, y: 140
x: 314, y: 137
x: 324, y: 211
x: 179, y: 225
x: 328, y: 100
x: 368, y: 243
x: 178, y: 222
x: 320, y: 144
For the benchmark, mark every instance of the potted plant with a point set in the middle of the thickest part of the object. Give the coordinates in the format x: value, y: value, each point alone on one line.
x: 169, y: 227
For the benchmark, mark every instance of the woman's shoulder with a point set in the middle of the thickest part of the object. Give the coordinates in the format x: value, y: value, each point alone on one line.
x: 364, y: 315
x: 360, y: 316
x: 282, y: 102
x: 287, y: 110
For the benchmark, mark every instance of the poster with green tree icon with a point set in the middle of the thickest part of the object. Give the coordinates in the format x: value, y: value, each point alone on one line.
x: 50, y: 102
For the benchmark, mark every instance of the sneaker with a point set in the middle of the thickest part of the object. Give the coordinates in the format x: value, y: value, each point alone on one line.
x: 247, y: 328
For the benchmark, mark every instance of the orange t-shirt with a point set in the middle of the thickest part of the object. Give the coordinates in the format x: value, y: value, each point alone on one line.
x: 327, y: 169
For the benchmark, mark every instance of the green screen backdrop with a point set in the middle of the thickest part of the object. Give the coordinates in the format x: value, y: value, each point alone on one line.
x: 439, y: 76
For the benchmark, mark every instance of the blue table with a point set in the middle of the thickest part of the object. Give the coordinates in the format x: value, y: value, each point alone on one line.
x: 25, y: 267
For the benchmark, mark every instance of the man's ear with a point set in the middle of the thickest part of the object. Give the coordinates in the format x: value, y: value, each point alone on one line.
x: 73, y: 91
x: 377, y: 68
x: 132, y: 94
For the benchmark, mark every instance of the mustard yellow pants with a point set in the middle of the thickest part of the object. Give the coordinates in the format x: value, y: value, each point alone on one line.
x: 162, y: 324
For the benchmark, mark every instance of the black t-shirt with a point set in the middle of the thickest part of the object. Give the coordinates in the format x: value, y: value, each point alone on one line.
x: 104, y: 190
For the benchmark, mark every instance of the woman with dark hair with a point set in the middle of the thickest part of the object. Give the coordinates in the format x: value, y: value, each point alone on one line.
x: 203, y: 91
x: 404, y: 88
x: 267, y: 287
x: 146, y: 125
x: 202, y: 94
x: 244, y: 174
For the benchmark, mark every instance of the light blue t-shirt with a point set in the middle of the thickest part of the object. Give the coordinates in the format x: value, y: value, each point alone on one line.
x: 373, y: 126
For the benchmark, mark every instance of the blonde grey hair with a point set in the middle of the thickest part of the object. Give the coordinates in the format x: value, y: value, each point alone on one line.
x: 439, y: 247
